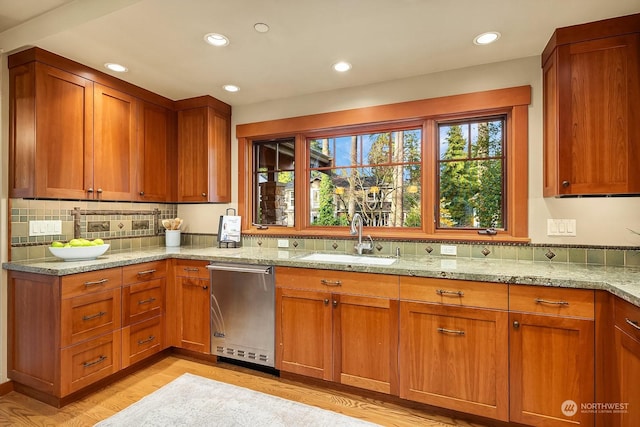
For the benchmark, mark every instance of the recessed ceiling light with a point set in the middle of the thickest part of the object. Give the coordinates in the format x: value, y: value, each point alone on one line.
x: 216, y: 39
x: 342, y: 66
x: 486, y: 38
x: 261, y: 27
x: 116, y: 67
x: 231, y: 88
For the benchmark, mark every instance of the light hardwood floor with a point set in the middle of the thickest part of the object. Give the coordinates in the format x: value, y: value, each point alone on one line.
x: 19, y: 410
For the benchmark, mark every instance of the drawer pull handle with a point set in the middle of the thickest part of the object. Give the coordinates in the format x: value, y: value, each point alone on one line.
x: 95, y: 283
x: 633, y: 323
x: 544, y: 301
x: 445, y: 292
x: 141, y: 273
x: 146, y: 340
x: 94, y: 316
x: 95, y: 362
x: 191, y: 269
x: 450, y: 331
x: 330, y: 282
x: 146, y: 301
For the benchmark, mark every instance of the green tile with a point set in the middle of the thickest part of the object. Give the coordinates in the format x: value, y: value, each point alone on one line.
x: 632, y: 258
x: 614, y: 257
x: 525, y: 253
x: 595, y: 256
x: 577, y: 256
x: 509, y: 252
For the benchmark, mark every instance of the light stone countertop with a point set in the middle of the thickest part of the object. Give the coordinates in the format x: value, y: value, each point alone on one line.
x: 623, y: 282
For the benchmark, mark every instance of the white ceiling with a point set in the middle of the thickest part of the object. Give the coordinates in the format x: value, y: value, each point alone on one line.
x: 161, y: 41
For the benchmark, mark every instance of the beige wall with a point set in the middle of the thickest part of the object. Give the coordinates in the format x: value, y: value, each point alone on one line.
x: 600, y: 221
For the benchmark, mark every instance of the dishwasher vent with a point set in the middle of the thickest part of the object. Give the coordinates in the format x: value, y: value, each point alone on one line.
x: 241, y: 354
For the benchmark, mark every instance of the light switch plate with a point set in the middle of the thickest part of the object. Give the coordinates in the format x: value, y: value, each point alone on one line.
x: 45, y: 228
x: 561, y: 227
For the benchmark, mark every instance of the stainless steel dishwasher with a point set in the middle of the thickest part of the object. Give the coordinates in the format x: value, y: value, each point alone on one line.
x: 243, y: 312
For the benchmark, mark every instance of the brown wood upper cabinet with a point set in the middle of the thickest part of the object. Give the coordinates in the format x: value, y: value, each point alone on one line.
x: 204, y: 150
x: 591, y: 89
x: 78, y: 134
x: 156, y: 146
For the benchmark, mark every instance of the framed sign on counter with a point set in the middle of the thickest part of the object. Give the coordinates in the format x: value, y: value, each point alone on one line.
x: 229, y: 230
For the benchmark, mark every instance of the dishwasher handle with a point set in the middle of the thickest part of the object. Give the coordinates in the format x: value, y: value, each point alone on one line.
x: 236, y: 268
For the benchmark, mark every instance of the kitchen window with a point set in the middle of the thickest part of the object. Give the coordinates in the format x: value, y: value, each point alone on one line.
x: 451, y: 168
x: 471, y: 168
x: 376, y: 174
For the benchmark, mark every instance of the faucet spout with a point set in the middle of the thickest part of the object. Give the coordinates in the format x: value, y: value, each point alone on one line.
x: 356, y: 228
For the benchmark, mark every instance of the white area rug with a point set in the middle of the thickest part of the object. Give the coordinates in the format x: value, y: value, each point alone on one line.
x: 190, y: 400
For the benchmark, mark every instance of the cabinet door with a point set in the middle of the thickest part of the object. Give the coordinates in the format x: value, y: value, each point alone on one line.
x: 303, y: 333
x: 455, y: 358
x: 365, y: 342
x: 114, y: 144
x: 598, y: 92
x: 193, y: 155
x: 64, y: 134
x: 551, y: 370
x: 626, y: 374
x: 193, y: 309
x: 155, y: 167
x: 204, y: 156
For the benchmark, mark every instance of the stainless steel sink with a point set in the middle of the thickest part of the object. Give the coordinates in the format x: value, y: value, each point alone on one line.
x: 348, y: 259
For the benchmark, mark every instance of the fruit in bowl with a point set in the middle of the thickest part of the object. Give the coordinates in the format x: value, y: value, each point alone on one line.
x: 79, y: 249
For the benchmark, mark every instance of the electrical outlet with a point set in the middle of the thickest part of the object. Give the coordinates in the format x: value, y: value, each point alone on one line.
x: 448, y: 250
x: 283, y: 243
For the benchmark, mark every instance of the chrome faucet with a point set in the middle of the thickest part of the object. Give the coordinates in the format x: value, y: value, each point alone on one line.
x: 356, y: 228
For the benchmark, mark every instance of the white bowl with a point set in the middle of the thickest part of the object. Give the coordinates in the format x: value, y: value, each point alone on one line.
x: 79, y: 253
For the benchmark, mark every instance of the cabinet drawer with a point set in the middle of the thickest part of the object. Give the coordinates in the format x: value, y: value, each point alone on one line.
x: 186, y: 268
x: 455, y: 292
x: 144, y: 272
x: 549, y: 300
x: 87, y: 316
x: 92, y: 281
x: 342, y: 282
x: 141, y: 340
x: 88, y: 362
x: 627, y: 317
x: 142, y: 301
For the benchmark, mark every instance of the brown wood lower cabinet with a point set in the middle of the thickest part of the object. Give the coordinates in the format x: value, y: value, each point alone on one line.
x: 192, y: 305
x: 327, y: 328
x: 551, y: 356
x: 454, y: 346
x: 455, y: 357
x: 66, y: 333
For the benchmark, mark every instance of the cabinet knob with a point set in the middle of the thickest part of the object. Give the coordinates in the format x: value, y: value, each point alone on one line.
x: 90, y: 190
x: 204, y: 194
x: 326, y: 301
x: 516, y: 324
x: 335, y: 303
x: 99, y: 190
x: 142, y: 193
x: 565, y: 184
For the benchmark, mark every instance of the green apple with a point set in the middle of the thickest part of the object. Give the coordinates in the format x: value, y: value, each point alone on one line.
x: 57, y: 244
x: 98, y: 242
x: 75, y: 242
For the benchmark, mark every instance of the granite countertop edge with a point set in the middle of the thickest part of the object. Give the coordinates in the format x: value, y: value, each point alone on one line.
x: 623, y: 282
